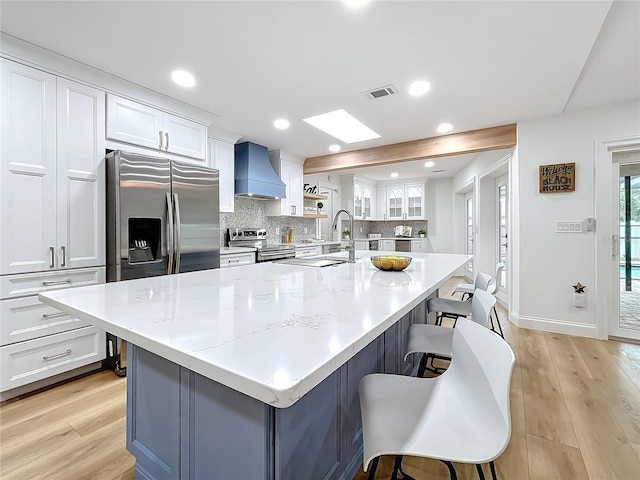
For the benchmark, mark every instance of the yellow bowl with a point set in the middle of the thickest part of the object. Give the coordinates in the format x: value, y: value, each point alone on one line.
x: 391, y: 262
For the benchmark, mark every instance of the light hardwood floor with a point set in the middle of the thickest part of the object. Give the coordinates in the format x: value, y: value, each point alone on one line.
x: 575, y: 408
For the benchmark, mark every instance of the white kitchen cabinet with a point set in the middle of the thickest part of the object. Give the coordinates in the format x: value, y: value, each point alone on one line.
x: 417, y: 245
x: 290, y: 171
x: 236, y: 259
x: 308, y: 251
x: 405, y: 202
x: 51, y: 177
x: 361, y: 244
x: 388, y: 245
x: 138, y: 124
x: 359, y: 196
x: 222, y: 158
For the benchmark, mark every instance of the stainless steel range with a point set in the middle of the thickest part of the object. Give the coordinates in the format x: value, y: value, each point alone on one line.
x: 257, y: 238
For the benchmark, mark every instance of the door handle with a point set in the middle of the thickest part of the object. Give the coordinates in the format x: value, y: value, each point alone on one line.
x: 166, y: 136
x: 176, y: 205
x: 47, y: 316
x: 52, y: 252
x: 615, y: 245
x: 58, y: 355
x: 56, y: 282
x: 64, y: 256
x: 170, y: 227
x: 160, y: 141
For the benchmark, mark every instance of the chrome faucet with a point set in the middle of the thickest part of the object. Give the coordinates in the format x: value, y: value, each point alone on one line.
x: 352, y: 246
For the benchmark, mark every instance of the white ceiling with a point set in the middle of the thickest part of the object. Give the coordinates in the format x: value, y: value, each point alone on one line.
x: 489, y: 62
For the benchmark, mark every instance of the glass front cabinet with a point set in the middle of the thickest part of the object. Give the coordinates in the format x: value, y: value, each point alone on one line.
x: 405, y: 202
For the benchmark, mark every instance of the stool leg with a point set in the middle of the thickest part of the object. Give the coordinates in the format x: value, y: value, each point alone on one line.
x: 452, y: 470
x: 423, y: 365
x: 480, y: 472
x: 397, y: 467
x: 498, y: 322
x: 374, y: 467
x: 493, y: 470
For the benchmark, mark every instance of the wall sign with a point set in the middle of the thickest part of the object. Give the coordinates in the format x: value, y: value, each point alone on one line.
x: 559, y: 177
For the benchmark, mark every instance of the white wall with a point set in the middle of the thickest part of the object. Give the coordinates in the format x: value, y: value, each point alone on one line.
x: 545, y: 264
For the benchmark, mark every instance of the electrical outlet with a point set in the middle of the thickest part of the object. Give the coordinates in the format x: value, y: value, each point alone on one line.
x: 277, y: 231
x: 305, y: 230
x: 360, y: 229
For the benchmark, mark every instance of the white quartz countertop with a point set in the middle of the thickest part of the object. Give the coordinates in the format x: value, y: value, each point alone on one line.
x: 271, y: 331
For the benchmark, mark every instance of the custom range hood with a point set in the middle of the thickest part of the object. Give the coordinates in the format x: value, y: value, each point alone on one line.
x: 255, y: 176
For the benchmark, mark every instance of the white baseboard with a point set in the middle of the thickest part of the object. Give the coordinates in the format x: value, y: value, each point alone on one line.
x: 554, y: 326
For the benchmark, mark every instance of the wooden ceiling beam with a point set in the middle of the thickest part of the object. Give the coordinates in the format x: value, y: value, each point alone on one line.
x: 493, y: 138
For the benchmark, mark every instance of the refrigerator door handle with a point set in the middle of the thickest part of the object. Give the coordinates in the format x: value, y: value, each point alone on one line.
x: 176, y: 205
x: 170, y: 224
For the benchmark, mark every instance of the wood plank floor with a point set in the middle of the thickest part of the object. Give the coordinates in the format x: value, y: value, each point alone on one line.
x: 575, y: 408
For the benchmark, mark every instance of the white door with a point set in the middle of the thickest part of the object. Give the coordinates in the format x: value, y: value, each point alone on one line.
x: 296, y: 199
x: 502, y: 236
x: 626, y: 263
x: 414, y: 195
x: 469, y: 232
x: 134, y: 123
x: 28, y: 169
x: 395, y: 197
x: 184, y: 137
x: 222, y: 157
x: 80, y: 171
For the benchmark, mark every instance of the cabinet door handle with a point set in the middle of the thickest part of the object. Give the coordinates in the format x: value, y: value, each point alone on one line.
x: 57, y: 355
x: 56, y: 282
x: 166, y: 136
x: 52, y: 251
x: 54, y: 315
x: 64, y: 256
x: 160, y: 142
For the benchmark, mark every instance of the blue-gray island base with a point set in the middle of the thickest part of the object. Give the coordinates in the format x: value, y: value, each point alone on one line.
x: 182, y: 425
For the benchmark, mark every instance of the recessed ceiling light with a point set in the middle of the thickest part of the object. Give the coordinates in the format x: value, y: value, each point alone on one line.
x: 183, y: 78
x: 355, y: 4
x: 394, y: 174
x: 445, y: 127
x: 281, y: 124
x: 429, y: 164
x: 341, y: 125
x: 419, y: 88
x: 334, y: 148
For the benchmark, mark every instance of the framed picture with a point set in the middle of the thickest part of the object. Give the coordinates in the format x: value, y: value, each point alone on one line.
x: 558, y: 178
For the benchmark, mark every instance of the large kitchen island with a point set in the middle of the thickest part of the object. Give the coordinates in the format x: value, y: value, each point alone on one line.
x: 252, y: 372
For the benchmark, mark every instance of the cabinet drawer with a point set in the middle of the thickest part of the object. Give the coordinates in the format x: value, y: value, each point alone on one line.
x: 13, y: 286
x: 234, y: 260
x: 28, y: 318
x: 26, y: 362
x: 307, y: 252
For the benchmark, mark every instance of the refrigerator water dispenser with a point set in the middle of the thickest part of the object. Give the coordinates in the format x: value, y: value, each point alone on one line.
x: 144, y: 239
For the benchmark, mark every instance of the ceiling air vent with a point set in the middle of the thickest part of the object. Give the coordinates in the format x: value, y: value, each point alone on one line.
x: 381, y: 92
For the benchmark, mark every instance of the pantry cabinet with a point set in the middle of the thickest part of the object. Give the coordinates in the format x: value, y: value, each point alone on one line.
x: 51, y: 174
x: 138, y: 124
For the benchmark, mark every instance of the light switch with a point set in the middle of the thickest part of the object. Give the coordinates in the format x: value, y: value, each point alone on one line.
x: 563, y: 226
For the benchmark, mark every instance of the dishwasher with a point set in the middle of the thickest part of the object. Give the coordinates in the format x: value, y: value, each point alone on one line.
x: 403, y: 245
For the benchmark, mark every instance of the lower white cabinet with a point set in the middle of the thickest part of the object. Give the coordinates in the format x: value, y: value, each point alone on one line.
x: 236, y: 259
x: 308, y: 251
x: 388, y: 245
x: 361, y: 244
x: 26, y: 362
x: 38, y: 341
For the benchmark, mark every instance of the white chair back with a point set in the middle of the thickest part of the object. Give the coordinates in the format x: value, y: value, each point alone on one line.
x: 482, y: 281
x: 481, y: 304
x: 482, y: 364
x: 493, y: 285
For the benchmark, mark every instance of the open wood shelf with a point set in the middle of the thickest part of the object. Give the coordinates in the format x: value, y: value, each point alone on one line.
x: 314, y: 215
x: 314, y: 196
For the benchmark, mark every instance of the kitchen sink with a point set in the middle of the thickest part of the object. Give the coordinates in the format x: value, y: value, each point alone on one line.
x: 313, y: 261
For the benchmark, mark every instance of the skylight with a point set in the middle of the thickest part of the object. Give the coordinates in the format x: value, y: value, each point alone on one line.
x: 341, y: 125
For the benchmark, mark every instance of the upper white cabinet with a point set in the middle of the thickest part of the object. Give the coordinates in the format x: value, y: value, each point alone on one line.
x: 222, y: 157
x: 359, y: 197
x: 290, y: 170
x: 404, y: 202
x: 52, y: 183
x: 138, y: 124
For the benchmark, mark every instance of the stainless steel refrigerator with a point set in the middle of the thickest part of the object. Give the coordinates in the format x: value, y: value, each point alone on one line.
x: 163, y: 218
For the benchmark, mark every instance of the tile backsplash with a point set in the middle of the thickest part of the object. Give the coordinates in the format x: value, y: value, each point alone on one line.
x: 250, y: 213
